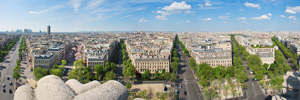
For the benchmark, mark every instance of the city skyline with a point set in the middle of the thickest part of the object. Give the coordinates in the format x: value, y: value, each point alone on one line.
x: 150, y: 15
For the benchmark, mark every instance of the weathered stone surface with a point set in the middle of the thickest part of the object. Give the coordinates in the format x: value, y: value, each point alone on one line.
x: 79, y: 88
x: 52, y: 87
x: 24, y: 92
x: 111, y: 90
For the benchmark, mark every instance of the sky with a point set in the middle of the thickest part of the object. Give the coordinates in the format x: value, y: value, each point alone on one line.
x: 150, y: 15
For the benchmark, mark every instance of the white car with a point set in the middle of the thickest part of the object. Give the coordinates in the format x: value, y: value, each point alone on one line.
x: 3, y: 85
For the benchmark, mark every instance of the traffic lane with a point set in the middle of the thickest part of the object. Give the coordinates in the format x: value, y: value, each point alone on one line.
x: 194, y: 94
x: 6, y: 95
x: 181, y: 90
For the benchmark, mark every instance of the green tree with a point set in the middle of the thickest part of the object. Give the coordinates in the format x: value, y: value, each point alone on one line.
x: 146, y: 74
x: 110, y: 76
x: 242, y: 77
x: 73, y: 74
x: 113, y: 66
x: 87, y: 75
x: 107, y: 66
x: 40, y: 72
x: 56, y: 72
x: 174, y: 66
x: 209, y: 93
x: 157, y: 75
x: 16, y: 75
x: 99, y: 71
x: 192, y: 63
x: 128, y: 85
x: 167, y: 76
x: 173, y: 77
x: 63, y: 62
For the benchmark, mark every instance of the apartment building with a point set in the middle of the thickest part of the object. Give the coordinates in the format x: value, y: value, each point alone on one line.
x: 44, y: 60
x: 214, y: 50
x: 150, y: 51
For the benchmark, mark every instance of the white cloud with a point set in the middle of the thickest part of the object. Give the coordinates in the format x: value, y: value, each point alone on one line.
x: 290, y: 11
x: 242, y: 9
x: 32, y: 12
x: 225, y: 22
x: 143, y: 20
x: 188, y: 12
x: 252, y: 5
x: 161, y: 17
x: 127, y: 16
x: 94, y: 3
x: 200, y: 5
x: 241, y: 18
x: 292, y: 17
x: 223, y: 17
x: 162, y: 12
x: 282, y: 16
x: 261, y: 17
x: 76, y: 4
x: 269, y: 14
x: 46, y: 10
x: 207, y: 3
x: 244, y: 22
x: 207, y: 19
x: 187, y: 21
x: 227, y: 13
x: 177, y: 7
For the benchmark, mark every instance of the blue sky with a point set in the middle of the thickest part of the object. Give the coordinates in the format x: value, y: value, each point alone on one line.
x: 150, y: 15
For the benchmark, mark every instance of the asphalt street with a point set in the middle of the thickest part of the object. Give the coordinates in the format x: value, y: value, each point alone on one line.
x: 8, y: 72
x: 189, y: 84
x: 253, y: 92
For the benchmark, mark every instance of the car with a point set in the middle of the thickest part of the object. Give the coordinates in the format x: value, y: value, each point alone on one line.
x: 10, y: 91
x: 7, y: 61
x: 176, y: 92
x: 4, y: 90
x: 3, y: 85
x: 180, y: 86
x: 252, y: 84
x: 8, y: 78
x: 10, y: 83
x: 176, y: 86
x: 185, y: 93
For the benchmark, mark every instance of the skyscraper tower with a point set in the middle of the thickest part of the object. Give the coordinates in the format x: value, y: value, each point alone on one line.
x: 48, y: 30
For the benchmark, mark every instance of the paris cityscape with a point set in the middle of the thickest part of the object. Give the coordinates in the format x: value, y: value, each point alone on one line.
x: 150, y: 50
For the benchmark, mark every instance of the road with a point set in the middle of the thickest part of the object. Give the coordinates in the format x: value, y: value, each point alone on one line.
x: 189, y: 84
x: 8, y: 72
x: 253, y: 92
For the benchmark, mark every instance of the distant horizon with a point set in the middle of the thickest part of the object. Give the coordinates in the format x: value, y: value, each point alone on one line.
x: 155, y: 15
x: 154, y: 31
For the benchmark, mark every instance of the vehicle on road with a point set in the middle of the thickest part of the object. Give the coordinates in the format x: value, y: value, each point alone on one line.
x: 7, y: 61
x: 176, y: 92
x: 4, y: 90
x: 185, y: 93
x: 8, y: 78
x: 10, y: 83
x: 3, y: 85
x: 180, y: 80
x: 176, y: 86
x: 180, y: 86
x: 10, y: 91
x: 252, y: 84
